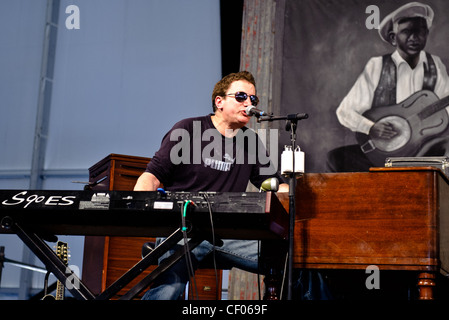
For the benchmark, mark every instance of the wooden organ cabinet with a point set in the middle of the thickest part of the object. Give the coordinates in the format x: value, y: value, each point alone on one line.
x: 107, y: 258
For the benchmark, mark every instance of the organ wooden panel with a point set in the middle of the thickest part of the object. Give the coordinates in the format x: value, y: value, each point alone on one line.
x: 394, y: 218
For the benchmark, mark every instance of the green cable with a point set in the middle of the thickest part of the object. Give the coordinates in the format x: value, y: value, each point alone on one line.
x: 186, y: 204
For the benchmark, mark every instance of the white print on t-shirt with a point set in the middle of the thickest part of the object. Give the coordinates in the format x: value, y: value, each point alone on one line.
x: 220, y: 165
x: 189, y: 148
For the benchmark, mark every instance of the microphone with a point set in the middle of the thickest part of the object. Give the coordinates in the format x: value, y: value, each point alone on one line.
x: 253, y: 111
x: 271, y: 184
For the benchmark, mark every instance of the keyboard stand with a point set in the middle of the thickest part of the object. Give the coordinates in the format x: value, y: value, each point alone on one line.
x: 51, y: 261
x: 77, y: 288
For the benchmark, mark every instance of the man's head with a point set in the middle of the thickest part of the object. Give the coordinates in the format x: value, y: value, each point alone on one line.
x: 231, y: 96
x: 409, y: 36
x: 391, y: 23
x: 222, y: 86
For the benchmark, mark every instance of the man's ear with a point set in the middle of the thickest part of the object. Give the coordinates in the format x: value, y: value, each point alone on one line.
x: 219, y: 102
x: 392, y: 38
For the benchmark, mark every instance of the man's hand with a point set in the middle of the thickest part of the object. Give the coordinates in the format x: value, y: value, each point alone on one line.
x: 382, y: 130
x: 147, y: 182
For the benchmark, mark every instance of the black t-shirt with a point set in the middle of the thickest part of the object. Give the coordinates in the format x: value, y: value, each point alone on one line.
x: 194, y: 156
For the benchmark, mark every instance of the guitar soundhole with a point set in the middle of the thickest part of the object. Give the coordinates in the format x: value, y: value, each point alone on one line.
x: 401, y: 139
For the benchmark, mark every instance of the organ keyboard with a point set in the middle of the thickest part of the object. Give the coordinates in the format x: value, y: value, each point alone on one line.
x: 236, y: 215
x: 35, y: 214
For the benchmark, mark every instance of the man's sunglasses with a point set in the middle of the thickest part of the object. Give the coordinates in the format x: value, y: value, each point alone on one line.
x: 242, y: 96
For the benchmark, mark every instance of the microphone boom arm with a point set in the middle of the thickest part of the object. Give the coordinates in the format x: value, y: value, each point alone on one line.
x: 290, y: 117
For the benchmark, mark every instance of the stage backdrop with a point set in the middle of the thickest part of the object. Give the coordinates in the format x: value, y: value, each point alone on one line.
x: 324, y: 47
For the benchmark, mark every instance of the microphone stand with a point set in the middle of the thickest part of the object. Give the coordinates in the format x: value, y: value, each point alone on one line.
x: 291, y: 124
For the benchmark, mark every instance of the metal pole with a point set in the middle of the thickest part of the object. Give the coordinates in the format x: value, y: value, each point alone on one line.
x: 42, y: 121
x: 45, y: 92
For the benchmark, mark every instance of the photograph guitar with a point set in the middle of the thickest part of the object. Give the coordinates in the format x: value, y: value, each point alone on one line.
x: 398, y: 105
x: 416, y: 125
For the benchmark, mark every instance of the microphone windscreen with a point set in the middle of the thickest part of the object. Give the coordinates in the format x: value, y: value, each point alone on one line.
x: 271, y: 184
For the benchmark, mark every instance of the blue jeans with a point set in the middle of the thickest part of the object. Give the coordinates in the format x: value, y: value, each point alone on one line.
x: 170, y: 285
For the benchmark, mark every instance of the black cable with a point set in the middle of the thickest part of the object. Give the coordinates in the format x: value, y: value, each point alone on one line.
x: 206, y: 197
x: 284, y: 276
x: 189, y: 264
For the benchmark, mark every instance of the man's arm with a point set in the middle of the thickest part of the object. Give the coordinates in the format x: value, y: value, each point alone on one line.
x: 147, y: 182
x: 360, y: 97
x: 442, y: 85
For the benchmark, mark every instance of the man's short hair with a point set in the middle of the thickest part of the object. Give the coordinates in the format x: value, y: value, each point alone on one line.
x: 223, y: 85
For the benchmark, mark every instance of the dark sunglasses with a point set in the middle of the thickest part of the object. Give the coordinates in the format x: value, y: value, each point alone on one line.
x: 242, y: 96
